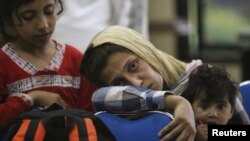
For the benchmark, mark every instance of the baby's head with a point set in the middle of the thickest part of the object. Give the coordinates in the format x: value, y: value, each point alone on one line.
x: 212, y: 94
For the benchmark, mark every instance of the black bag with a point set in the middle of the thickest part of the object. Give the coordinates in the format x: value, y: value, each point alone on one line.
x: 53, y: 124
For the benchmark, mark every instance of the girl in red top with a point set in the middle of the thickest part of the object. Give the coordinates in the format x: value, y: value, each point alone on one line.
x: 34, y: 69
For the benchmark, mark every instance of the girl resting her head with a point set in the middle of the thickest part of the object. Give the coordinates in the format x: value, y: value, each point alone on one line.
x: 121, y: 56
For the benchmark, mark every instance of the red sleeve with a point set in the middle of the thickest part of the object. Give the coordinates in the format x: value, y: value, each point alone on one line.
x: 11, y: 107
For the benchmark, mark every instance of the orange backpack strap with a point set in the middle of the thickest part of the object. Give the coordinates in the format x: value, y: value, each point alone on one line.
x: 90, y: 128
x: 83, y: 130
x: 20, y: 135
x: 40, y: 132
x: 91, y: 131
x: 74, y: 135
x: 30, y: 130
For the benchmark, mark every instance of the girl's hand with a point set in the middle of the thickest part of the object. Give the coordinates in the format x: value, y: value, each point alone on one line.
x: 182, y: 128
x: 44, y: 98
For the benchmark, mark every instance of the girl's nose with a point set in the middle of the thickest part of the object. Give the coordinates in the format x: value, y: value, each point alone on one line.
x: 135, y: 81
x: 213, y: 113
x: 42, y: 23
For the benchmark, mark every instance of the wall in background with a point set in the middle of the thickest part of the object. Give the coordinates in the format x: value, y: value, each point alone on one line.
x: 162, y: 23
x: 161, y: 18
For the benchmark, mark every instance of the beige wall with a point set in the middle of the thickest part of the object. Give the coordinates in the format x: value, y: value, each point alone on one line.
x: 161, y: 13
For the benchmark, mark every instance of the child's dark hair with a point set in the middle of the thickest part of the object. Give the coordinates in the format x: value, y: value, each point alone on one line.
x: 10, y: 7
x: 95, y: 60
x: 215, y: 81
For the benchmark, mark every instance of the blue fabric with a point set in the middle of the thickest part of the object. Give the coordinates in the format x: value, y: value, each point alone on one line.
x: 245, y: 92
x: 145, y: 128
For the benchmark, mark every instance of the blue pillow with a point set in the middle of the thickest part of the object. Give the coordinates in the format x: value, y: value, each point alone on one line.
x: 245, y: 93
x: 144, y: 128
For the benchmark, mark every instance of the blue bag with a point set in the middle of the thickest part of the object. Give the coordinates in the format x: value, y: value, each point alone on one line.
x: 142, y: 128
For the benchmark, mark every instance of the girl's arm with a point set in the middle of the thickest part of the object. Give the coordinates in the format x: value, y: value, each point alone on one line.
x: 11, y: 107
x: 17, y: 103
x: 120, y: 99
x: 183, y: 125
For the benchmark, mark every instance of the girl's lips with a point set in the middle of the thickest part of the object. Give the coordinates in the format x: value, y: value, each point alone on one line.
x: 212, y: 123
x: 198, y: 122
x: 43, y: 37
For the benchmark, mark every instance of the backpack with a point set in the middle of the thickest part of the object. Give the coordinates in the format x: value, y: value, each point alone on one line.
x: 56, y: 124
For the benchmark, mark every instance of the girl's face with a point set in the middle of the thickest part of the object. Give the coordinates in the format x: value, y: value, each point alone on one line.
x: 124, y: 68
x: 217, y: 112
x: 38, y: 19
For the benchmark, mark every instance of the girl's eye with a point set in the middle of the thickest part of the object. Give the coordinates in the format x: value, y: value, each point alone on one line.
x: 49, y: 11
x: 203, y: 105
x: 133, y: 66
x: 221, y: 106
x: 27, y: 16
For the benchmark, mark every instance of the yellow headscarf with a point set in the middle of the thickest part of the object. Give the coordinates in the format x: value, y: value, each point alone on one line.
x: 168, y: 66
